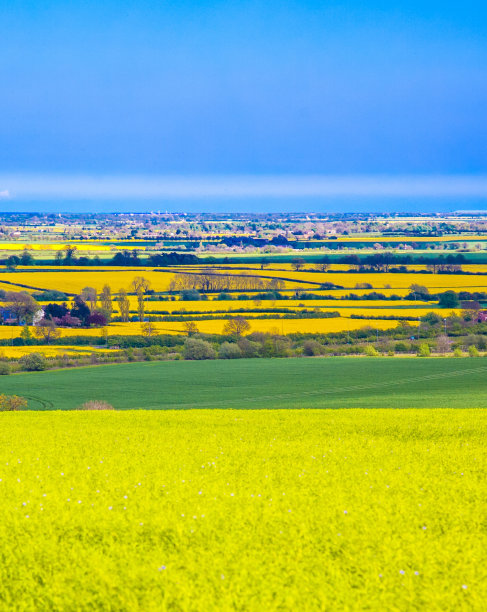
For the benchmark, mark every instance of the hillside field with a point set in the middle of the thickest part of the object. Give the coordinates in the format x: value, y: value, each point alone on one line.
x: 243, y: 510
x: 360, y: 382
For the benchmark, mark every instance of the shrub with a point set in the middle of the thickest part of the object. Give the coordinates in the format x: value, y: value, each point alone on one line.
x: 312, y: 348
x: 52, y: 294
x: 96, y: 405
x: 424, y: 350
x: 35, y: 362
x: 473, y: 351
x: 448, y: 299
x: 371, y: 351
x: 249, y: 348
x: 457, y: 352
x: 401, y: 347
x: 194, y: 348
x: 5, y: 368
x: 190, y: 295
x: 10, y: 403
x: 432, y: 318
x: 229, y: 350
x: 97, y: 319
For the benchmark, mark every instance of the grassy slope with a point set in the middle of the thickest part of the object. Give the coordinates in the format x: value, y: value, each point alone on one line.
x: 263, y: 383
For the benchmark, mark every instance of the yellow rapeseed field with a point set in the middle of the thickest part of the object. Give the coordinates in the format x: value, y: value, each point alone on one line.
x: 382, y: 280
x: 51, y: 246
x: 14, y: 352
x: 231, y: 305
x: 73, y: 280
x: 259, y: 510
x: 274, y: 325
x: 285, y: 326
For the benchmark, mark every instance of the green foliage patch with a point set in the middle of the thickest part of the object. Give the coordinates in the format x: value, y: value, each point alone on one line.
x: 339, y: 382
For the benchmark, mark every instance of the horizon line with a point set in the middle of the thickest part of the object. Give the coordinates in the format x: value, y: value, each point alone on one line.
x: 86, y: 186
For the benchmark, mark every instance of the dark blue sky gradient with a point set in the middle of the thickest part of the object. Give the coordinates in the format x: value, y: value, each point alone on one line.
x: 243, y: 87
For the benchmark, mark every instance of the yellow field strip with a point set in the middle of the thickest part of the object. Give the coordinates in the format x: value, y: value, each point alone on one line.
x: 14, y: 352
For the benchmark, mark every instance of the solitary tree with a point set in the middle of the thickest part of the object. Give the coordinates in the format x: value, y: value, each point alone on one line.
x: 148, y: 329
x: 322, y: 267
x: 89, y: 295
x: 69, y: 254
x: 236, y: 327
x: 298, y: 263
x: 25, y: 334
x: 26, y: 258
x: 123, y: 305
x: 47, y: 331
x: 106, y: 299
x: 448, y: 299
x: 190, y: 328
x: 140, y: 283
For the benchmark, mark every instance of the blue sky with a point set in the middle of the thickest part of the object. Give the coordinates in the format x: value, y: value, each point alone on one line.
x: 241, y: 88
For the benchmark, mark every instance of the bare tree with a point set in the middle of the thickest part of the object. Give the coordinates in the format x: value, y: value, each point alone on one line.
x: 322, y: 267
x: 140, y: 304
x: 236, y: 327
x: 298, y: 263
x: 148, y: 328
x: 140, y: 283
x: 47, y: 330
x: 89, y: 295
x: 124, y: 305
x: 190, y: 328
x: 443, y: 344
x: 106, y: 299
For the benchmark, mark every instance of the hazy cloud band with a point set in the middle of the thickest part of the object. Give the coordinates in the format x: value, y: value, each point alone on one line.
x: 81, y: 187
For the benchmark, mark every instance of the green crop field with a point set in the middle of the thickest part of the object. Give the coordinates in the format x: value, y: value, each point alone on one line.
x: 263, y: 383
x: 243, y: 510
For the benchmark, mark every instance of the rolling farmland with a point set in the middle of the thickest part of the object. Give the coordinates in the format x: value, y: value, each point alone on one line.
x: 219, y: 481
x: 262, y: 383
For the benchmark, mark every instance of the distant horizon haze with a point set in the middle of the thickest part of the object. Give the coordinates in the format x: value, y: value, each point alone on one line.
x: 324, y: 90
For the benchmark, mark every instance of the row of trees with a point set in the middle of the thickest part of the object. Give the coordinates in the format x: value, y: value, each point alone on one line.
x: 68, y: 256
x: 214, y: 282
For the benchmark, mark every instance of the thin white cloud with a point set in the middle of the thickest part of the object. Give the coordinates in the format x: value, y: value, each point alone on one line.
x: 5, y: 194
x: 123, y: 187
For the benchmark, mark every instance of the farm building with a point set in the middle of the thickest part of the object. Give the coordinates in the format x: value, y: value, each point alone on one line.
x: 7, y: 317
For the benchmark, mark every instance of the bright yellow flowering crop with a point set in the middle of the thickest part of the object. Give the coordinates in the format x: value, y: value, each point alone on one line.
x: 15, y: 352
x: 74, y: 281
x: 243, y: 510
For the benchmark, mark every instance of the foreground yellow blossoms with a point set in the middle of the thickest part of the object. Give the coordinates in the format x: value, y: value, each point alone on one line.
x: 244, y: 510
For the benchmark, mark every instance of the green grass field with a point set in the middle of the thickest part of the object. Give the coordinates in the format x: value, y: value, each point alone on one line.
x: 243, y: 510
x: 262, y: 383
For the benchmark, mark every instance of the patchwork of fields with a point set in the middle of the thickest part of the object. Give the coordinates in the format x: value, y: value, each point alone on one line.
x: 263, y: 315
x: 242, y: 483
